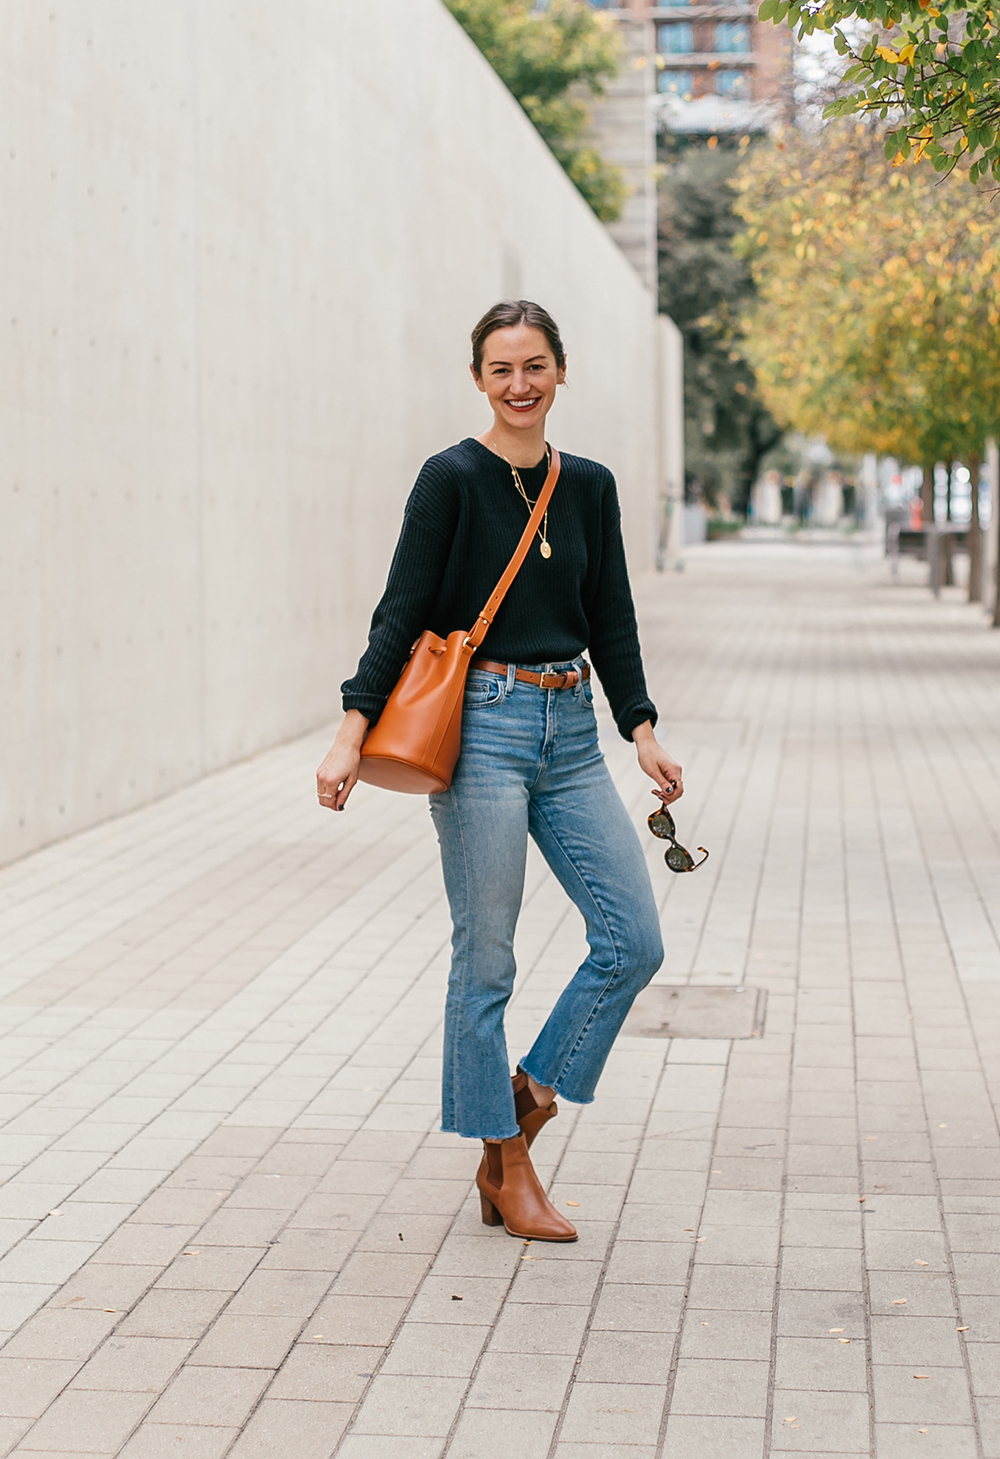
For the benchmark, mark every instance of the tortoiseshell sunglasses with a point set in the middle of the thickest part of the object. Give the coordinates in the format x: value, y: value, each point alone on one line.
x: 661, y: 823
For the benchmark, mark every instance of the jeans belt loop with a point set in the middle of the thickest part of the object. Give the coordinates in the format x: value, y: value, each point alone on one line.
x: 511, y: 671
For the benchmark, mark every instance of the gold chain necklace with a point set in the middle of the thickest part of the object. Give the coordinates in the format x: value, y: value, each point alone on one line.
x: 543, y: 530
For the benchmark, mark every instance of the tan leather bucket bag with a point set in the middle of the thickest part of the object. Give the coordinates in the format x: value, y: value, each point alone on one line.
x: 414, y: 745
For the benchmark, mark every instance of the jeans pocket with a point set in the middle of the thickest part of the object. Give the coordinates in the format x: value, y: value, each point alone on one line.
x: 482, y: 690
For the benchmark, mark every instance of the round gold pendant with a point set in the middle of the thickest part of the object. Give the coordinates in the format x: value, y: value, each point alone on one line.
x: 545, y: 550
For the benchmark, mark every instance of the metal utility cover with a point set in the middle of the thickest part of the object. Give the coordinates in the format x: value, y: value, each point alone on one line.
x: 697, y: 1013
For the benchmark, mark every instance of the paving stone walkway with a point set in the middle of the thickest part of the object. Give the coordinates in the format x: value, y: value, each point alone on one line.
x: 232, y: 1228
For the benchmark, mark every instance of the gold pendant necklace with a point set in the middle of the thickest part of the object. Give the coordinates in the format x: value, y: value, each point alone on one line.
x: 543, y: 530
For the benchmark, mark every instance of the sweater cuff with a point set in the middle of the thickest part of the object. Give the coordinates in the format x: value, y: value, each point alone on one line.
x: 635, y: 714
x: 370, y: 705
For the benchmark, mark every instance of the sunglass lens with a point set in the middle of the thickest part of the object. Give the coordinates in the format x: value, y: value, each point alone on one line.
x: 661, y: 823
x: 679, y: 860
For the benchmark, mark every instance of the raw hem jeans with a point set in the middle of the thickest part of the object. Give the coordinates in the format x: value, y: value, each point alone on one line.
x: 531, y: 765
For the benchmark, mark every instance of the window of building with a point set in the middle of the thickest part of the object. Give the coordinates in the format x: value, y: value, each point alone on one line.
x: 732, y: 36
x: 676, y: 83
x: 733, y: 83
x: 676, y: 39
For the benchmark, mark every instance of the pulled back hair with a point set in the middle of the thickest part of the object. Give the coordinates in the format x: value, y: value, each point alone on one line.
x: 507, y: 315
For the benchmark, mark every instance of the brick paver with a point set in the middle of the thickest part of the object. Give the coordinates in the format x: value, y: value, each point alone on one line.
x: 229, y: 1226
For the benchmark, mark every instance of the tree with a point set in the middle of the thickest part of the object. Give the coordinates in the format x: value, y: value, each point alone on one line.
x: 877, y: 316
x: 931, y: 68
x: 704, y: 287
x: 546, y: 58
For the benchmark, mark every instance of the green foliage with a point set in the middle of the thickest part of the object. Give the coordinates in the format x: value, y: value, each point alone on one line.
x: 704, y: 287
x: 546, y: 59
x: 877, y: 315
x: 931, y: 71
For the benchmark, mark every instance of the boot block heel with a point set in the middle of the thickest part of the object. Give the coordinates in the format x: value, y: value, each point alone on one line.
x: 491, y: 1216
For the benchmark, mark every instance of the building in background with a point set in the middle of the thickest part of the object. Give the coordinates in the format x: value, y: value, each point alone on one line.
x: 717, y: 68
x: 623, y: 129
x: 691, y: 70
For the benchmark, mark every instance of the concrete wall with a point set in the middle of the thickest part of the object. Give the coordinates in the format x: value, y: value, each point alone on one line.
x: 241, y: 248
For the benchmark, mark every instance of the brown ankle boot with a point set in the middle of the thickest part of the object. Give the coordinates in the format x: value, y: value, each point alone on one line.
x: 511, y: 1194
x: 530, y: 1116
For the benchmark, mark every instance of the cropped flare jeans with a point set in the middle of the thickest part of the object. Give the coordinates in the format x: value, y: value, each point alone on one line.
x: 531, y: 765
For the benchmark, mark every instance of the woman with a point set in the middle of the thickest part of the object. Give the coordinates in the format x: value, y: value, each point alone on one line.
x: 530, y: 762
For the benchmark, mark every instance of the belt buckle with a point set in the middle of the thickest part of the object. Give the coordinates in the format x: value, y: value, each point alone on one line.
x: 542, y: 678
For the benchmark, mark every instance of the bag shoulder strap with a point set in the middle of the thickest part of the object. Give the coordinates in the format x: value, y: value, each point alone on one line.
x: 478, y: 631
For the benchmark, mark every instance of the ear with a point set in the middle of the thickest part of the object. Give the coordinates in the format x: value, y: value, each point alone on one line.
x: 561, y: 373
x: 478, y: 379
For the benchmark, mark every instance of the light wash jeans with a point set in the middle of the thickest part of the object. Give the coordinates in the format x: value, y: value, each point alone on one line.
x: 530, y: 764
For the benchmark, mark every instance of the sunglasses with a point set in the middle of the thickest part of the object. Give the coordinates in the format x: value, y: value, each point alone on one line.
x: 661, y: 823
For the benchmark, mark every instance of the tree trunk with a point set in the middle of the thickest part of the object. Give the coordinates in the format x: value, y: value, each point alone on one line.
x: 948, y: 576
x: 927, y: 495
x: 975, y: 535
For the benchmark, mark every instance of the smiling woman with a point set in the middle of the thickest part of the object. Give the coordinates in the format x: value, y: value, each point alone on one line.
x: 530, y: 764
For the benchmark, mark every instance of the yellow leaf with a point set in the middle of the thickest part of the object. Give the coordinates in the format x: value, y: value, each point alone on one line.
x: 906, y: 54
x: 887, y: 54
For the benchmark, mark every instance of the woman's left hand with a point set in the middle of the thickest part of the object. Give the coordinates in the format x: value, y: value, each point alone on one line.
x: 657, y: 764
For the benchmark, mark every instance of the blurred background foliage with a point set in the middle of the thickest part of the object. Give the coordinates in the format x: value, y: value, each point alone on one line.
x: 549, y: 59
x: 876, y: 313
x: 705, y: 286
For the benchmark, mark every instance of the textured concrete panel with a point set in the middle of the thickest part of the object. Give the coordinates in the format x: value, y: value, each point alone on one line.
x: 241, y: 251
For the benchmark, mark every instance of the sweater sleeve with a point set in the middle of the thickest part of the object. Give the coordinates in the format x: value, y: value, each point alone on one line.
x: 415, y: 573
x: 614, y: 634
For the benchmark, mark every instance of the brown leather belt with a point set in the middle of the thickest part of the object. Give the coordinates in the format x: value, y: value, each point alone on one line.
x: 567, y: 680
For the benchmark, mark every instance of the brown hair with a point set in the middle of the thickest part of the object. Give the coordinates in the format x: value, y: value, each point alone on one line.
x: 507, y: 315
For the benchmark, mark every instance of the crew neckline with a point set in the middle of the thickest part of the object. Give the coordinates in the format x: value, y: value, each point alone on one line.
x: 500, y: 461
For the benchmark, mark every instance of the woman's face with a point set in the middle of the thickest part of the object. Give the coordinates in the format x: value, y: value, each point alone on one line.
x: 519, y: 376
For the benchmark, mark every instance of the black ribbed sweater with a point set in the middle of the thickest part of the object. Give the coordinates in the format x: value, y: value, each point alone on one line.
x: 462, y: 522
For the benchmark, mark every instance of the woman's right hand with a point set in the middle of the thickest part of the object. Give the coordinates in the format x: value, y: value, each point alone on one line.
x: 338, y: 774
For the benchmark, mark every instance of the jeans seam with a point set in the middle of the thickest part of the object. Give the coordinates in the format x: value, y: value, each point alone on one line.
x: 615, y: 971
x: 465, y: 877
